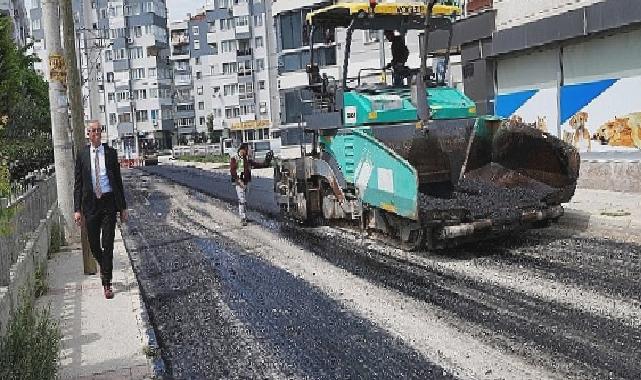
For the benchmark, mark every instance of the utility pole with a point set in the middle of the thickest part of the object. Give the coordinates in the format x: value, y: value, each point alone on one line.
x: 92, y: 54
x: 77, y: 111
x: 61, y: 132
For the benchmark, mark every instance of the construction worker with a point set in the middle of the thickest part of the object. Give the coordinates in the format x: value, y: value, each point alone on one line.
x: 240, y: 170
x: 400, y: 53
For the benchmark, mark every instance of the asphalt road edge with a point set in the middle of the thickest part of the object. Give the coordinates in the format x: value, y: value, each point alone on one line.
x: 150, y: 343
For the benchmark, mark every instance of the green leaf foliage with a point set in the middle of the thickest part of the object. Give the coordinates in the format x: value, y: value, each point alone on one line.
x: 25, y: 122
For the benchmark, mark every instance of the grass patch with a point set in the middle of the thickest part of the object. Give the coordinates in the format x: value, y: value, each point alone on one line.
x: 31, y: 344
x: 40, y: 286
x: 6, y: 216
x: 57, y: 239
x: 218, y: 159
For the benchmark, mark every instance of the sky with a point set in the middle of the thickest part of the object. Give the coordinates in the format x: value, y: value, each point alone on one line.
x: 178, y: 9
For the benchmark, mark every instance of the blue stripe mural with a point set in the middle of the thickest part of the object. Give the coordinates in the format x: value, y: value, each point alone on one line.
x: 507, y: 104
x: 575, y: 97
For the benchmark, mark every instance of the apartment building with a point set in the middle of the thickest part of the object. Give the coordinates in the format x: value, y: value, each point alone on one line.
x: 15, y: 10
x: 225, y: 48
x: 123, y: 52
x: 185, y: 115
x: 562, y: 64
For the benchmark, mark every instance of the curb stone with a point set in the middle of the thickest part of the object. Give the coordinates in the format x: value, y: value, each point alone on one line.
x: 148, y: 336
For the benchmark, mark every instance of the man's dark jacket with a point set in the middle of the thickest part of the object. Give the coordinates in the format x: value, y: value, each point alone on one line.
x: 84, y: 197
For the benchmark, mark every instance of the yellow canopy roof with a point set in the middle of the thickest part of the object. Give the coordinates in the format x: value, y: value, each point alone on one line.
x: 339, y: 14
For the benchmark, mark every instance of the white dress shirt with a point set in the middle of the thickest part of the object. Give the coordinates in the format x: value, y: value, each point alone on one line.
x: 105, y: 186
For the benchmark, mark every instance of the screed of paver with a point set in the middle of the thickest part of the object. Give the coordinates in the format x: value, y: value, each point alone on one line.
x: 420, y: 325
x: 99, y: 335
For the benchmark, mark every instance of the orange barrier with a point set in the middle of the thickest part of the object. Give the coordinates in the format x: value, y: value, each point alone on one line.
x: 131, y: 162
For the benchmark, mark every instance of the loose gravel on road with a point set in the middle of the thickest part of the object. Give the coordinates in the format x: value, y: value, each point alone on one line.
x: 274, y: 300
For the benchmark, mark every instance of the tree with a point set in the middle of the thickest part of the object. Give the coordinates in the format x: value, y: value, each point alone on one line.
x: 25, y: 136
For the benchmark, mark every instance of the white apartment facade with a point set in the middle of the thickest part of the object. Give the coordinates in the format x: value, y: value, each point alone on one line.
x: 225, y: 45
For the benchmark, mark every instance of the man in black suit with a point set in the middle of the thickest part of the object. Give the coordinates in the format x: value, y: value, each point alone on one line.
x: 99, y: 196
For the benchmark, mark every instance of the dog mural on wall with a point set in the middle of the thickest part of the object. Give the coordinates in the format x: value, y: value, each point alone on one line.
x: 621, y: 131
x: 542, y: 123
x: 579, y: 130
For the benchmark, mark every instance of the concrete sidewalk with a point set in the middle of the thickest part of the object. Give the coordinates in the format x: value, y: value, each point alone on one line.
x: 602, y: 209
x: 102, y: 339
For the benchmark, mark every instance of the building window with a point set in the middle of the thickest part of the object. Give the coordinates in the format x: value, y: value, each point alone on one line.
x: 245, y: 91
x: 214, y: 69
x: 137, y: 73
x: 142, y: 116
x: 138, y: 31
x: 232, y: 112
x: 258, y: 20
x: 111, y: 97
x: 228, y: 46
x: 261, y: 84
x: 201, y: 121
x: 244, y: 68
x: 113, y: 119
x: 260, y: 64
x: 230, y: 89
x: 35, y: 24
x: 122, y: 95
x: 212, y: 26
x: 136, y: 52
x: 230, y: 68
x: 153, y: 114
x: 196, y: 30
x: 110, y: 77
x: 197, y: 60
x: 259, y: 42
x: 199, y: 75
x: 199, y: 90
x: 196, y: 44
x: 152, y: 72
x: 214, y: 48
x: 124, y: 118
x: 242, y: 20
x: 108, y: 55
x: 201, y: 106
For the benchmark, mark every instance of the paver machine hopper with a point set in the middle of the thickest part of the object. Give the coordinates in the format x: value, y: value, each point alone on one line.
x: 412, y: 162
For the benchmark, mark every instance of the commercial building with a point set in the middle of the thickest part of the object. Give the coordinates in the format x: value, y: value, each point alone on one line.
x: 571, y: 67
x: 221, y: 73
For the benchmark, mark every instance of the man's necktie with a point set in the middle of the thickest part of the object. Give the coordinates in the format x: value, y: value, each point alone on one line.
x: 98, y: 190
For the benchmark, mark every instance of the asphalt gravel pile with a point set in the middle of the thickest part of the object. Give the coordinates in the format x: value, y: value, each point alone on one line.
x: 492, y: 192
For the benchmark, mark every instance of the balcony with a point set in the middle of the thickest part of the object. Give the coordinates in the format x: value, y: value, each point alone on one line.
x: 244, y: 52
x: 179, y: 39
x: 474, y: 6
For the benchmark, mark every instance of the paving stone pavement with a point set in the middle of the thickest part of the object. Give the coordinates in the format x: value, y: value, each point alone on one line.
x: 597, y: 209
x: 102, y: 339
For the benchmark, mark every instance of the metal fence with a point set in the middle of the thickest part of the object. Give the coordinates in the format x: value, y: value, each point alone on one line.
x: 20, y: 214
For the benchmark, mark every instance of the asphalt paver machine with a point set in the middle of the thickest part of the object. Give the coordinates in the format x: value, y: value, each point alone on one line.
x: 413, y: 163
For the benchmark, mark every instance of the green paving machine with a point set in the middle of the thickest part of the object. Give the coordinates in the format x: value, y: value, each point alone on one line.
x: 412, y: 163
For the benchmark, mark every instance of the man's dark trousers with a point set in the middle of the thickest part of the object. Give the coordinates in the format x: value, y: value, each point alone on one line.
x: 101, y: 228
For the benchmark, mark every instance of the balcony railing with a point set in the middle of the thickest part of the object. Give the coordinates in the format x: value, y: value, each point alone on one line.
x: 179, y: 39
x: 243, y: 52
